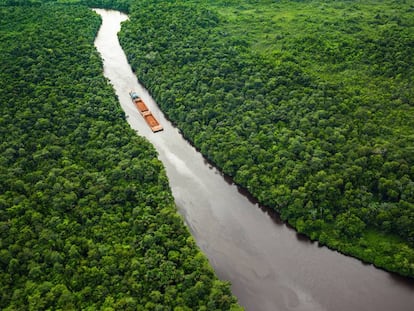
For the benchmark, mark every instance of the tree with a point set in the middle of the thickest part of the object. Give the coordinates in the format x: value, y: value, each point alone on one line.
x: 349, y: 225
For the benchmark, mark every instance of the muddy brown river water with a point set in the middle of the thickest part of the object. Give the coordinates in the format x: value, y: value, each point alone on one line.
x: 269, y: 266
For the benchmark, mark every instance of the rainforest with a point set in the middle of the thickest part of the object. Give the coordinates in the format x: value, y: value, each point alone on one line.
x: 87, y: 219
x: 306, y: 104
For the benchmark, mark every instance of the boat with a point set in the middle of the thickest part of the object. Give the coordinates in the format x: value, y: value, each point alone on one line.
x: 145, y: 112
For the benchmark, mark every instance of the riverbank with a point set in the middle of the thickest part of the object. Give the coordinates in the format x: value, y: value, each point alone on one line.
x: 87, y: 218
x: 322, y: 152
x: 270, y: 267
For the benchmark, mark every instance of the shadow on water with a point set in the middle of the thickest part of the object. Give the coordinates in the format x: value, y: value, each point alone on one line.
x: 303, y: 238
x: 274, y: 215
x: 266, y: 261
x: 402, y: 281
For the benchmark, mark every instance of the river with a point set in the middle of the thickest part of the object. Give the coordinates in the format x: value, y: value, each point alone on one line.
x: 270, y: 266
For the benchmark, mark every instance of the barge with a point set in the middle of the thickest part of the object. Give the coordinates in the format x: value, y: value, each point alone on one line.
x: 145, y: 112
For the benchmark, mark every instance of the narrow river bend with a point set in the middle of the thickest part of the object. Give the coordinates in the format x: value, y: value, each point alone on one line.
x: 270, y: 268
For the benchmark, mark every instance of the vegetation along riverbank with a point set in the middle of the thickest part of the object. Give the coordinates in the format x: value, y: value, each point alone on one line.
x: 307, y: 104
x: 87, y: 219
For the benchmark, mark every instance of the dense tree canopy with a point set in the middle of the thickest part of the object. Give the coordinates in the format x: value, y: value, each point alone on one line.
x: 307, y: 104
x: 87, y: 219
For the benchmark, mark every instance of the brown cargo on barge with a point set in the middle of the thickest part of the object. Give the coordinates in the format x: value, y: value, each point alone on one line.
x: 145, y: 112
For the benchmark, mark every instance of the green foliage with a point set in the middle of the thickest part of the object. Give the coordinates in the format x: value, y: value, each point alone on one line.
x: 307, y: 104
x: 87, y: 219
x: 349, y: 225
x: 122, y: 5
